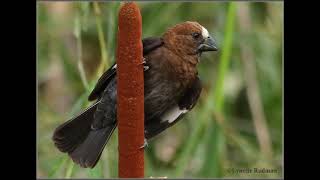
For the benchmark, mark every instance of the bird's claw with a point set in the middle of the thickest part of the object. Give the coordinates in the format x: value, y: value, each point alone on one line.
x: 145, y: 144
x: 145, y: 67
x: 143, y: 61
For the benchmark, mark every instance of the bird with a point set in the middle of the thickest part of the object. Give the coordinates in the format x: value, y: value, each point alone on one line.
x: 171, y: 89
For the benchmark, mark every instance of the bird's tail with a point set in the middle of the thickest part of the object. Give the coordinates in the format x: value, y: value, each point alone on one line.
x: 83, y: 144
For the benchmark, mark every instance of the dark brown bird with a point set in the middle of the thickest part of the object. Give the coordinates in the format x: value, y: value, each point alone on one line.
x: 172, y: 88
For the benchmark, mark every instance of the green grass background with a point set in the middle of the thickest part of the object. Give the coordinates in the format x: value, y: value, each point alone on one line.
x: 76, y: 44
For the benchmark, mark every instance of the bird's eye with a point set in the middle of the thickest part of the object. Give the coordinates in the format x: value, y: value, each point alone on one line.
x: 195, y: 35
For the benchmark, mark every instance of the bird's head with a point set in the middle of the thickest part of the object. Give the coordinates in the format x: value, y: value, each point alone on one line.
x: 189, y: 39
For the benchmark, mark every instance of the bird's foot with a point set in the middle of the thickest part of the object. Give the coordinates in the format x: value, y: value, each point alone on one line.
x: 145, y: 67
x: 143, y: 61
x: 145, y: 144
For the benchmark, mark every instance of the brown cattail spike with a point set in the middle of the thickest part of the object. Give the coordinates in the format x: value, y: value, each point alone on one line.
x: 130, y: 92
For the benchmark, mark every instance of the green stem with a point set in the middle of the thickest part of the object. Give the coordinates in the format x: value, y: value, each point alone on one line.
x: 77, y: 33
x: 216, y: 139
x: 69, y: 169
x: 225, y: 58
x: 104, y: 55
x: 216, y: 95
x: 58, y: 166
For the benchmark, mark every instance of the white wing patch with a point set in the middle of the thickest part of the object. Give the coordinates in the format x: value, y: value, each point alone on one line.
x: 114, y: 66
x: 204, y: 32
x: 173, y: 114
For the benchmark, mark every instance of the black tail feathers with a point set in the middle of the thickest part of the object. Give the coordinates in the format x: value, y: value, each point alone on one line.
x: 83, y: 144
x: 88, y: 153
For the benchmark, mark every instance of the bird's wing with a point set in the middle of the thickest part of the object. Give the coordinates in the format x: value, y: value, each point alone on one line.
x: 149, y: 44
x: 103, y: 82
x: 176, y: 112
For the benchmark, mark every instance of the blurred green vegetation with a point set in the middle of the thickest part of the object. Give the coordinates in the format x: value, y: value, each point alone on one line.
x: 237, y: 122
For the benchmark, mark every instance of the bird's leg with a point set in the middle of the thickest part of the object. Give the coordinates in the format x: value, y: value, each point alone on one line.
x: 145, y: 144
x: 145, y: 67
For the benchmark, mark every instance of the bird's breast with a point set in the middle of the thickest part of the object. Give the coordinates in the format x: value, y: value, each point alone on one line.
x: 165, y: 82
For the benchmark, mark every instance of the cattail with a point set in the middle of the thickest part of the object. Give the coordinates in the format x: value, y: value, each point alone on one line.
x: 130, y: 92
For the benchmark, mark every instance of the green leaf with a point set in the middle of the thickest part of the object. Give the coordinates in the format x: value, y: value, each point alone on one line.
x: 85, y: 11
x: 69, y: 170
x: 56, y: 166
x: 77, y: 26
x: 207, y: 110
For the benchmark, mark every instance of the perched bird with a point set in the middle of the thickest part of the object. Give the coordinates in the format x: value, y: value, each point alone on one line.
x: 172, y: 88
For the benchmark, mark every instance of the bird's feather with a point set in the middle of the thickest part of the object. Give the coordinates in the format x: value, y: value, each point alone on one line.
x: 173, y: 114
x: 102, y: 83
x: 106, y: 110
x: 88, y: 153
x: 80, y: 141
x: 149, y: 44
x: 171, y: 89
x: 70, y: 134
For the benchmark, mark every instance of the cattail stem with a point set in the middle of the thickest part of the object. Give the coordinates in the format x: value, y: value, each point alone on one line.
x: 252, y: 86
x: 130, y: 92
